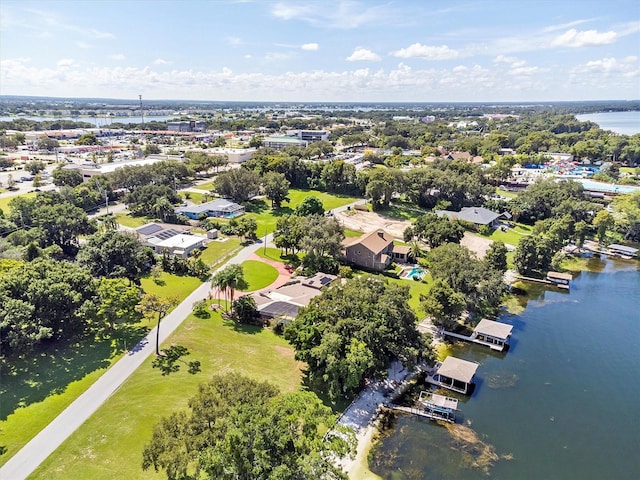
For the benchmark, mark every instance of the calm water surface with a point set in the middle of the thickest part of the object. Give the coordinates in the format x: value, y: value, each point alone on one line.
x: 626, y: 123
x: 563, y: 402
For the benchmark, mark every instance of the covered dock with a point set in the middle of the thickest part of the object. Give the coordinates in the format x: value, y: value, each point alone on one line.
x: 495, y: 334
x: 622, y: 250
x: 455, y: 374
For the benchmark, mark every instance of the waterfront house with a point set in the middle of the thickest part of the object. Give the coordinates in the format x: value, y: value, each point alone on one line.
x: 477, y: 216
x: 373, y: 251
x: 220, y: 208
x: 496, y: 334
x: 455, y: 374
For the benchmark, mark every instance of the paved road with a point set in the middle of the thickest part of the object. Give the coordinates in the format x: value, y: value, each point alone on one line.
x: 23, y: 463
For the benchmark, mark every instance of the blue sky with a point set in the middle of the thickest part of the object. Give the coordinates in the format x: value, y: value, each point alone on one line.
x: 422, y: 51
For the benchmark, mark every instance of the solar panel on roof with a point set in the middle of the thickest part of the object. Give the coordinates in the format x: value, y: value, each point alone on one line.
x: 149, y: 229
x: 163, y: 235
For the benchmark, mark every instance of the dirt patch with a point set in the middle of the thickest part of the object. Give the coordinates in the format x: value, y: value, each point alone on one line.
x: 286, y: 352
x: 476, y: 244
x: 369, y: 221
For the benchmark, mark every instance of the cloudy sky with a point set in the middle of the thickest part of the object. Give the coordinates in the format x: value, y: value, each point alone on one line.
x: 350, y: 50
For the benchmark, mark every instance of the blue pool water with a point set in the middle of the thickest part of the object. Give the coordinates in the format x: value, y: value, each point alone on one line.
x: 607, y: 187
x: 416, y: 272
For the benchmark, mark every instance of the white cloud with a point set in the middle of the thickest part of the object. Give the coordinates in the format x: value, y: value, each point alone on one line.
x: 161, y: 61
x: 526, y: 71
x: 65, y: 62
x: 610, y: 65
x: 276, y: 56
x: 311, y: 47
x: 574, y: 38
x: 117, y: 56
x: 235, y: 41
x: 83, y: 45
x: 562, y: 26
x: 345, y: 14
x: 363, y: 55
x: 514, y: 62
x: 428, y: 52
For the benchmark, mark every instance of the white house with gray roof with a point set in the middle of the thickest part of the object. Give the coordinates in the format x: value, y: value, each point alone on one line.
x: 221, y: 208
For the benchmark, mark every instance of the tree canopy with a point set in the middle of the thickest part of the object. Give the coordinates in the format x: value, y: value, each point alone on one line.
x: 353, y: 330
x: 238, y: 428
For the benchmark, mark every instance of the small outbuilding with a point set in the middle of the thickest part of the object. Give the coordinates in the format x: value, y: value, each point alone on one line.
x: 559, y: 278
x: 455, y: 374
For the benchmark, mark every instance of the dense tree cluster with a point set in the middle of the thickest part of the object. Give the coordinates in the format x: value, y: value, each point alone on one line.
x: 238, y: 428
x: 353, y: 330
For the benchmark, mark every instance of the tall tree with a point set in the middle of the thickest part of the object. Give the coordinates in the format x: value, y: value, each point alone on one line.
x: 311, y: 205
x: 353, y: 330
x: 276, y: 188
x: 443, y: 303
x: 150, y: 303
x: 238, y: 184
x: 117, y: 301
x: 496, y: 257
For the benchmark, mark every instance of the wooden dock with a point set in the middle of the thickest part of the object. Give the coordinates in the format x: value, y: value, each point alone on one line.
x: 498, y: 348
x: 417, y: 411
x: 544, y: 281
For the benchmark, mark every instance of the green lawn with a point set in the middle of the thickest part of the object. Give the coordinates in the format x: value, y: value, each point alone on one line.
x: 216, y: 252
x: 352, y: 233
x: 397, y: 212
x: 205, y: 186
x: 258, y: 274
x: 37, y: 390
x: 171, y: 285
x: 4, y: 202
x: 512, y: 236
x: 505, y: 193
x: 110, y: 443
x: 194, y: 197
x: 266, y: 218
x: 130, y: 221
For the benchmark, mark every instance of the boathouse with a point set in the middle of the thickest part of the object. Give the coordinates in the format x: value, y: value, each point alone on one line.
x: 438, y: 407
x: 495, y: 334
x: 559, y: 278
x: 623, y: 250
x: 455, y: 374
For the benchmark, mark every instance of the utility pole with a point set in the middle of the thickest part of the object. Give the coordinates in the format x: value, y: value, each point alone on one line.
x: 141, y: 111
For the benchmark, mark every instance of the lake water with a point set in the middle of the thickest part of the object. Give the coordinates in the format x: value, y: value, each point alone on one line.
x: 626, y: 123
x: 562, y: 403
x: 97, y: 121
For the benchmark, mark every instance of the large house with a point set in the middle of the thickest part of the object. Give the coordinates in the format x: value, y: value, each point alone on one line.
x: 170, y: 239
x: 374, y: 251
x: 477, y: 215
x: 283, y: 303
x: 216, y: 208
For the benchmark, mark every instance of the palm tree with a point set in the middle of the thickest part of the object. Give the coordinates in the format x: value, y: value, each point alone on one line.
x: 415, y: 250
x: 163, y: 208
x: 229, y: 279
x: 220, y: 280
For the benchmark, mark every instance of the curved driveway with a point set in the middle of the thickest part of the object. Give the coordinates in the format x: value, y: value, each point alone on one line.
x: 49, y: 439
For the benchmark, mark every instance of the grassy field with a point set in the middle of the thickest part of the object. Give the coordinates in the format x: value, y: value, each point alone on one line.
x: 512, y: 236
x: 266, y: 218
x: 348, y: 233
x: 130, y: 221
x: 110, y: 443
x: 398, y: 212
x: 194, y: 197
x: 258, y: 274
x: 171, y: 285
x: 216, y: 252
x: 4, y: 202
x: 505, y: 193
x: 205, y: 186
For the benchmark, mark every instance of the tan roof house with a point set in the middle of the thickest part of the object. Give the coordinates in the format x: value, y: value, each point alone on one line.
x: 373, y: 251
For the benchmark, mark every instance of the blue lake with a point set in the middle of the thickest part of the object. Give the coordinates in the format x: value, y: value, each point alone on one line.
x: 626, y: 123
x: 562, y: 403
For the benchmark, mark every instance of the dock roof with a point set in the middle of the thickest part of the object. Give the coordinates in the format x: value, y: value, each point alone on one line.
x: 458, y: 369
x: 623, y: 248
x: 560, y: 275
x: 494, y: 329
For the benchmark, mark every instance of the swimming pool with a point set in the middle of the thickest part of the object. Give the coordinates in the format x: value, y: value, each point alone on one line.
x: 416, y: 272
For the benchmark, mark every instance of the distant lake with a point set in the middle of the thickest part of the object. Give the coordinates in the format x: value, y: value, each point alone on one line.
x: 625, y: 123
x: 96, y: 121
x: 562, y: 403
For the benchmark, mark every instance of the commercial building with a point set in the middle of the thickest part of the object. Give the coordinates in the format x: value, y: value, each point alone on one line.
x: 279, y: 142
x: 187, y: 126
